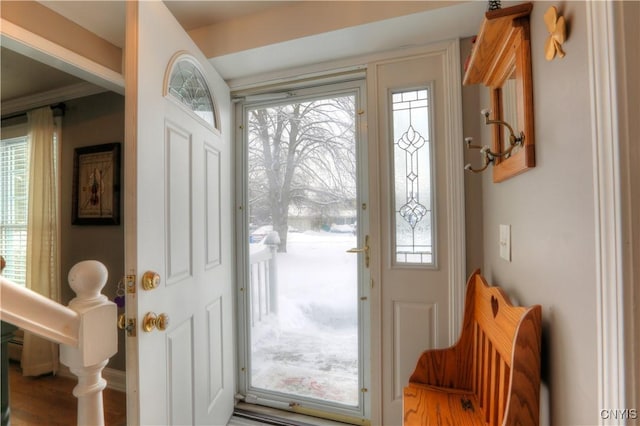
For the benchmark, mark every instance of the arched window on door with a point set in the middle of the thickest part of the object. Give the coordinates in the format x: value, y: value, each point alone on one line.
x: 187, y: 85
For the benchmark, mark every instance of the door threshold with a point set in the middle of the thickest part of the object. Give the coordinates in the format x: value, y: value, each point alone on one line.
x: 273, y: 416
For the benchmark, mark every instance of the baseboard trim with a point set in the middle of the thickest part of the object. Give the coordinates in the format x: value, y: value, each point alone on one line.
x: 116, y: 379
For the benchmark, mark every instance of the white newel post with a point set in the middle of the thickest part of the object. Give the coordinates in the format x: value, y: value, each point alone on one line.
x: 97, y: 342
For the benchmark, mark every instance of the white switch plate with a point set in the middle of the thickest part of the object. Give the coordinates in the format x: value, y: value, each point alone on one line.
x: 505, y: 242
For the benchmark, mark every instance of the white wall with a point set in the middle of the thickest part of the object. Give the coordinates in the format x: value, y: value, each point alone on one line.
x: 92, y: 120
x: 551, y: 213
x: 472, y: 126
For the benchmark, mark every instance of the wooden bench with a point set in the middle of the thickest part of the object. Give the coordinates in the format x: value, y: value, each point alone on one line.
x: 491, y: 376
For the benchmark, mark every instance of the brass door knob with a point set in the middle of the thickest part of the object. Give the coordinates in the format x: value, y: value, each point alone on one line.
x: 150, y: 280
x: 151, y: 321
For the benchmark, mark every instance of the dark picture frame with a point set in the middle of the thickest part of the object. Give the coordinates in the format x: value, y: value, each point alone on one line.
x: 96, y: 185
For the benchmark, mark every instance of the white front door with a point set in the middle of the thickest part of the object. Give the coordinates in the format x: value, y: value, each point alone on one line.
x: 177, y: 225
x: 421, y: 229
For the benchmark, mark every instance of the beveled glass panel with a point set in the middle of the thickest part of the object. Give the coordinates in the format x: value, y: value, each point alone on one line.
x: 413, y: 198
x: 189, y: 87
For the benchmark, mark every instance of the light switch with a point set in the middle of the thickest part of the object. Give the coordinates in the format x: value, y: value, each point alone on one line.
x: 505, y: 242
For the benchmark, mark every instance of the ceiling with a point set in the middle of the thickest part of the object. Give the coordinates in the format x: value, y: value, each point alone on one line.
x: 22, y: 76
x: 25, y: 77
x: 106, y: 18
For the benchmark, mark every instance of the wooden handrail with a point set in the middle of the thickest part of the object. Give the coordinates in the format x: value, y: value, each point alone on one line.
x: 33, y: 312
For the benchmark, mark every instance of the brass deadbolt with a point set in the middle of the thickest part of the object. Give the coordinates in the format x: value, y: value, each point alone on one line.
x: 150, y: 280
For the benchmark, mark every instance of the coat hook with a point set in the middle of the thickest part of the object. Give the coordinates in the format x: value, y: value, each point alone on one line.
x: 489, y: 156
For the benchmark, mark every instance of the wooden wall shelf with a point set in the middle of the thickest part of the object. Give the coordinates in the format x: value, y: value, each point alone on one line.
x: 501, y: 60
x: 492, y: 40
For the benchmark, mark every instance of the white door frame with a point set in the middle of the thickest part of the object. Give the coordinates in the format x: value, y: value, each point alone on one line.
x: 455, y: 209
x: 617, y: 378
x: 450, y: 49
x: 349, y: 82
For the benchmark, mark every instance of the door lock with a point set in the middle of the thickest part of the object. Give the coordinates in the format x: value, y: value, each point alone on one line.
x: 151, y: 321
x: 127, y: 324
x: 150, y: 280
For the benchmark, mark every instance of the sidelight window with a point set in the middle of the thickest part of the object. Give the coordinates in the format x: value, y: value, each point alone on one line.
x: 413, y: 177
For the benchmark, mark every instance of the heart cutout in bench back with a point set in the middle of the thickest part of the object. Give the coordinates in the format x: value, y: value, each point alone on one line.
x: 494, y: 306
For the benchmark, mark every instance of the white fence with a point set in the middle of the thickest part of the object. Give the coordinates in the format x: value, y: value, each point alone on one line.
x: 263, y: 282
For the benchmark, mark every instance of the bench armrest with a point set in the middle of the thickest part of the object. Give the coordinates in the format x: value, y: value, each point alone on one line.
x: 443, y: 368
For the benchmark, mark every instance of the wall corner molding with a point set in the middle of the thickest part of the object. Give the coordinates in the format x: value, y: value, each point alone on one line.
x: 62, y: 94
x: 455, y: 189
x: 607, y: 208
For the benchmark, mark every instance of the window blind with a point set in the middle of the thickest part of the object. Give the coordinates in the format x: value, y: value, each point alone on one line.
x: 14, y: 186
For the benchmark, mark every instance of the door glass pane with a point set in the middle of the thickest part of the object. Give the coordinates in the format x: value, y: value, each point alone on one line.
x: 413, y: 199
x: 188, y: 86
x: 303, y: 290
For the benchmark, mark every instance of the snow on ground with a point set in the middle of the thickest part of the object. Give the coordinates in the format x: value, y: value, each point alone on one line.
x: 311, y: 347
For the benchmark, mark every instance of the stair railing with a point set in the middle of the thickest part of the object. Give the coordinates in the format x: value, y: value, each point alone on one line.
x: 86, y: 330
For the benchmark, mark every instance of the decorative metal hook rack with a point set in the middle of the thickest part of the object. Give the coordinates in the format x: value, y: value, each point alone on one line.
x: 489, y: 156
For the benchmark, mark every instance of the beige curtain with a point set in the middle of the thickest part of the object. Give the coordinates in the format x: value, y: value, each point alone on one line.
x: 39, y: 356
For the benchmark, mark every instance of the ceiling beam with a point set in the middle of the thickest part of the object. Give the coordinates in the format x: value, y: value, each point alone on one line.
x: 47, y: 24
x: 294, y: 20
x: 36, y: 47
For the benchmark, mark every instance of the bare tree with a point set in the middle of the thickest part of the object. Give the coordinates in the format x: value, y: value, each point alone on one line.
x: 301, y: 154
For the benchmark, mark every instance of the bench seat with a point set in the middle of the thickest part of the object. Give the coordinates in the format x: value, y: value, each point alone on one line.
x: 491, y: 376
x: 426, y: 405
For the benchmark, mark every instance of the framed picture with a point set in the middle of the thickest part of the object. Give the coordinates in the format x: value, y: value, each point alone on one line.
x: 96, y: 185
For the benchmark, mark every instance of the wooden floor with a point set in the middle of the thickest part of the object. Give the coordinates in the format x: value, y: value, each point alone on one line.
x: 49, y: 400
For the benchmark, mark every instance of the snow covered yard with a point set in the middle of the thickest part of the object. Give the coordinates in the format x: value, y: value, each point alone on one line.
x: 310, y: 348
